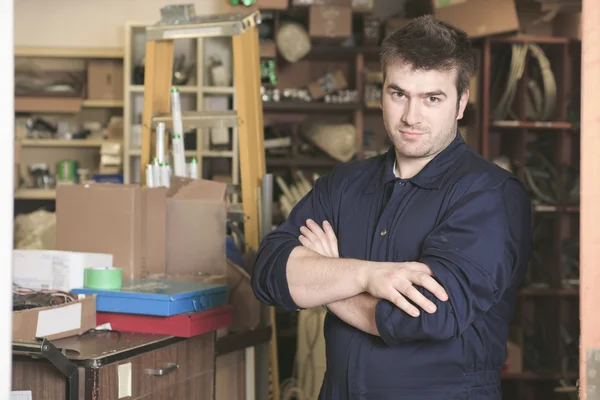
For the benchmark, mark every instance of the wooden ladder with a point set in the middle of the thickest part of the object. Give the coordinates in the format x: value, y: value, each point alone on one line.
x: 180, y: 22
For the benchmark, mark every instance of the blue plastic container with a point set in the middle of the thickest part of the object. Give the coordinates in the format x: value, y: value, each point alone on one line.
x: 157, y: 297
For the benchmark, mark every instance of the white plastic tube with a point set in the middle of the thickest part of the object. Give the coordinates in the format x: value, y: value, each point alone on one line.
x: 178, y: 148
x: 160, y: 142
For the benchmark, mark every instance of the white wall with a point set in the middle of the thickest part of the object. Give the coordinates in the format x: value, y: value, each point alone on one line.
x: 7, y: 117
x: 88, y: 23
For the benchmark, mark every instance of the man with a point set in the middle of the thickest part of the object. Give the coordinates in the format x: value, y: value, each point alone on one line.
x: 417, y: 254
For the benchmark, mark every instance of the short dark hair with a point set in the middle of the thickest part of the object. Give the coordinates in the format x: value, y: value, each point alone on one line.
x: 426, y: 43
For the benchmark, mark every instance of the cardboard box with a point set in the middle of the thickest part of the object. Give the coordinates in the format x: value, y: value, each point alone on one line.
x: 479, y: 17
x: 273, y: 4
x: 568, y: 25
x: 55, y: 322
x: 148, y: 230
x: 54, y: 270
x: 105, y: 79
x: 531, y: 22
x: 330, y: 21
x: 48, y: 104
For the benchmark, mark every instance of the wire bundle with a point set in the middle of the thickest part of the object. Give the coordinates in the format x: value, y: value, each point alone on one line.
x: 540, y: 103
x: 25, y: 298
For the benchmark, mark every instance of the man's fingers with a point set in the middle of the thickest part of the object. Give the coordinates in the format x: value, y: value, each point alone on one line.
x: 321, y: 236
x: 430, y: 284
x: 417, y: 297
x: 319, y: 245
x: 312, y: 238
x: 316, y: 229
x: 403, y: 304
x: 333, y: 243
x: 306, y: 243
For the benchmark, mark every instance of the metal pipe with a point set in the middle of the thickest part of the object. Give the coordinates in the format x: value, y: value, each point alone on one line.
x: 267, y: 204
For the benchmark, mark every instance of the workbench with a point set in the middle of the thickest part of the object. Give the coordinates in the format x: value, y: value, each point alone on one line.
x: 110, y: 365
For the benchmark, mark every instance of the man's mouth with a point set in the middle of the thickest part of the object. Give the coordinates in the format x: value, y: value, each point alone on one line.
x: 411, y: 133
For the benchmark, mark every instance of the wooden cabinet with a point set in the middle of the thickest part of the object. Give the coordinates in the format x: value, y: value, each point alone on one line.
x: 124, y: 365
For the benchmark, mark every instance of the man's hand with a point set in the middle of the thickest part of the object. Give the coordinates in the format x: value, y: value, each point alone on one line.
x: 321, y: 241
x: 390, y: 281
x: 394, y: 282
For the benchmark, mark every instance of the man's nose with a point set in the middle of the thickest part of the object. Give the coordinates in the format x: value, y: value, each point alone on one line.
x: 412, y: 113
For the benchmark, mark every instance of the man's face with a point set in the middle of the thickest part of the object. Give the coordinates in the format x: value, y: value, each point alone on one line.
x: 420, y: 109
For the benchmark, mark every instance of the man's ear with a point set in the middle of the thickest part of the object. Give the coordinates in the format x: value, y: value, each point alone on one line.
x: 462, y: 104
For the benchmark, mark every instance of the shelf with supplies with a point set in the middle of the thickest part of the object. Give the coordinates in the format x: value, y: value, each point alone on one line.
x: 67, y: 132
x: 538, y: 142
x: 215, y: 149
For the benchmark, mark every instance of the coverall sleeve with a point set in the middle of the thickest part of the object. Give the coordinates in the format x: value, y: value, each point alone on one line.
x: 478, y: 251
x: 269, y: 280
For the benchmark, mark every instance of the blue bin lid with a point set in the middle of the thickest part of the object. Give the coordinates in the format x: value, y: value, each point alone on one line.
x: 158, y: 290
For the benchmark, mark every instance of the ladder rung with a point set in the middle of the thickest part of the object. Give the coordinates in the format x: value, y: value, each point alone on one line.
x: 201, y: 119
x: 197, y: 26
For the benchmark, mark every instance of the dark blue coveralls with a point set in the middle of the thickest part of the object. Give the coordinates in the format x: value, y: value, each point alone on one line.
x: 463, y: 216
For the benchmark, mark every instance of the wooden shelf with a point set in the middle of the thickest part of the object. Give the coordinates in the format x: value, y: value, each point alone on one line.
x: 299, y: 106
x: 531, y: 39
x: 241, y: 340
x: 182, y: 89
x: 217, y: 90
x: 91, y: 103
x: 35, y: 194
x: 70, y: 52
x: 532, y: 124
x: 545, y: 208
x: 63, y: 143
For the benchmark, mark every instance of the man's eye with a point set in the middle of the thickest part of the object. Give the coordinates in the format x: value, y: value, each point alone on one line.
x: 434, y: 99
x: 398, y: 94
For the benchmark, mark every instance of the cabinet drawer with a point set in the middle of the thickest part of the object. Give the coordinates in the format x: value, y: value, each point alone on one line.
x: 161, y: 368
x: 194, y: 388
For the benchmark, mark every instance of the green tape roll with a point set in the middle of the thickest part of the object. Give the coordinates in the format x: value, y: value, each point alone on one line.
x: 103, y: 279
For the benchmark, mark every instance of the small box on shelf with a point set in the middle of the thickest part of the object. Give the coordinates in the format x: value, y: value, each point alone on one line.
x: 105, y: 80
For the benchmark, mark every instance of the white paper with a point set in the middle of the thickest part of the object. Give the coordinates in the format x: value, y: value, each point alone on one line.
x: 61, y: 270
x: 21, y: 395
x: 57, y: 320
x: 124, y: 371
